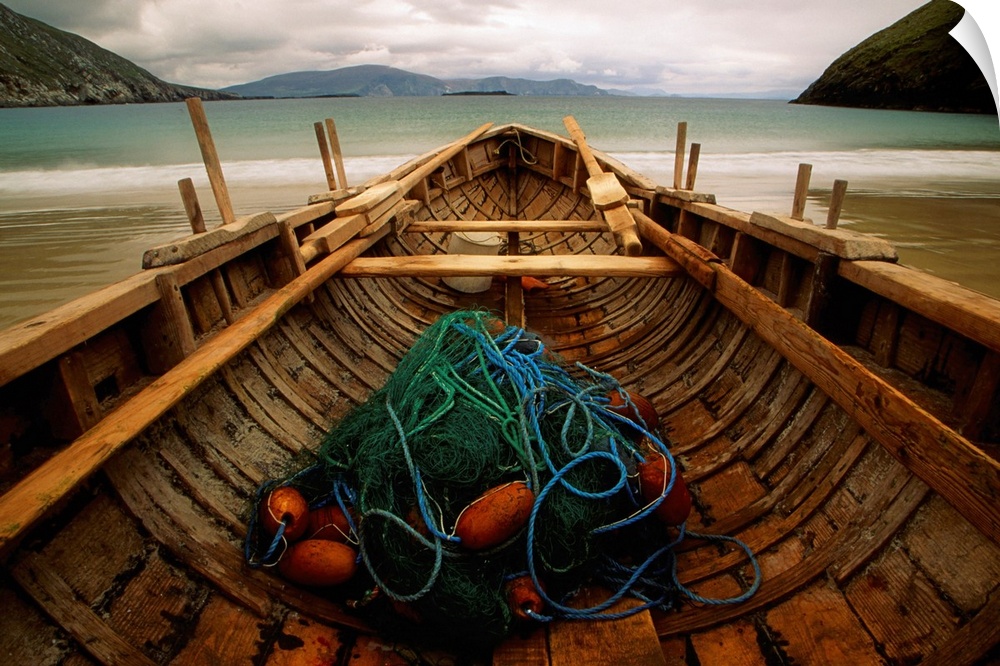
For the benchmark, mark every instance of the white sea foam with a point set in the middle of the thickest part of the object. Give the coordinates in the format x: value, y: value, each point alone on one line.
x: 863, y: 168
x: 249, y: 173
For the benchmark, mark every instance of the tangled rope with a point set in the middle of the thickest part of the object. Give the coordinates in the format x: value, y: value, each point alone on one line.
x: 482, y: 464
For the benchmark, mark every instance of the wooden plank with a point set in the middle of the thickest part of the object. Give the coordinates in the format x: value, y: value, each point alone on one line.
x: 536, y: 265
x: 40, y: 339
x: 525, y: 648
x: 36, y: 493
x: 733, y: 644
x: 26, y: 636
x: 513, y: 292
x: 630, y: 640
x: 179, y: 330
x: 307, y: 214
x: 525, y: 226
x: 962, y: 564
x: 225, y: 634
x: 962, y: 310
x: 946, y: 461
x: 901, y: 608
x: 694, y: 258
x: 969, y: 644
x: 605, y: 191
x: 83, y: 410
x: 836, y: 203
x: 304, y: 641
x: 693, y: 166
x: 435, y: 160
x: 197, y: 244
x: 153, y: 605
x: 60, y: 601
x: 817, y: 626
x: 844, y: 243
x: 331, y: 236
x: 977, y: 399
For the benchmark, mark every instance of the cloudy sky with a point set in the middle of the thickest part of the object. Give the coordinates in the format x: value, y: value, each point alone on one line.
x: 689, y: 48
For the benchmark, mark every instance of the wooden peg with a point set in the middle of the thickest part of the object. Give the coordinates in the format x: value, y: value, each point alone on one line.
x: 211, y: 159
x: 801, y: 191
x: 338, y: 156
x: 197, y: 221
x: 324, y: 153
x: 679, y: 154
x: 836, y: 203
x: 693, y: 165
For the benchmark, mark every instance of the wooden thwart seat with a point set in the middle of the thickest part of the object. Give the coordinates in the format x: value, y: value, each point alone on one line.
x: 516, y: 265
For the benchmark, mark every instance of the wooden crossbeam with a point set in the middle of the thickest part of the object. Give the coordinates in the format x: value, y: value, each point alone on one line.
x: 461, y: 265
x: 527, y: 226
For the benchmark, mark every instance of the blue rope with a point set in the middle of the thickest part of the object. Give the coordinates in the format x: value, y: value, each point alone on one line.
x: 542, y: 388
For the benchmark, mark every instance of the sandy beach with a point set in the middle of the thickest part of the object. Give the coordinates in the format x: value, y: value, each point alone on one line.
x: 76, y: 244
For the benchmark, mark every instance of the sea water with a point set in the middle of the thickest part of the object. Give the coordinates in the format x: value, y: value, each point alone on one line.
x: 84, y: 190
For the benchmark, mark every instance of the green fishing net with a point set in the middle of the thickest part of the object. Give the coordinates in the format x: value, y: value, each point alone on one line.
x: 472, y: 406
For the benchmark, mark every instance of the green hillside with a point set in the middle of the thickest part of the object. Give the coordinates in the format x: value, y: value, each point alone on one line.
x: 914, y: 64
x: 43, y: 66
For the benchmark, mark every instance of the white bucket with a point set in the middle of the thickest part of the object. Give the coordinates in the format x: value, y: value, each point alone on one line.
x: 472, y: 242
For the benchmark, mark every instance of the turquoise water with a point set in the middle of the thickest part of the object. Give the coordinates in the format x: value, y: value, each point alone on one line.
x: 84, y: 189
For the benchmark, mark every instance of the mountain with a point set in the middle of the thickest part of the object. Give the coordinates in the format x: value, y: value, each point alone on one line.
x: 382, y: 81
x: 913, y: 64
x: 43, y: 66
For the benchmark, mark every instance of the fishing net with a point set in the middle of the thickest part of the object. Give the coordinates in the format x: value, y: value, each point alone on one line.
x: 484, y: 484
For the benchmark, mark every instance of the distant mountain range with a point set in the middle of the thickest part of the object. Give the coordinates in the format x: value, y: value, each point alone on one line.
x: 914, y: 64
x: 43, y: 66
x: 382, y: 81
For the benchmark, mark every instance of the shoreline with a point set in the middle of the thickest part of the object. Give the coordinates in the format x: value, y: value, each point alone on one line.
x: 78, y: 244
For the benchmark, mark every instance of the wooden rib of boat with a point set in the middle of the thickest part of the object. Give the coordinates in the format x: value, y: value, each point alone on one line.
x: 835, y: 411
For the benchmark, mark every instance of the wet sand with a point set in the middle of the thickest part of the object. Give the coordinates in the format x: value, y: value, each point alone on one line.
x: 54, y: 251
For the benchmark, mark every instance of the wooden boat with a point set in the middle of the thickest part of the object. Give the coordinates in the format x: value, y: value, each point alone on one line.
x: 835, y: 411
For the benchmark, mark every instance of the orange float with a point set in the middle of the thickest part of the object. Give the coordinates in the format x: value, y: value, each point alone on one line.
x: 523, y: 598
x: 495, y: 516
x: 640, y: 409
x: 318, y: 563
x: 654, y: 474
x: 285, y: 505
x: 329, y: 523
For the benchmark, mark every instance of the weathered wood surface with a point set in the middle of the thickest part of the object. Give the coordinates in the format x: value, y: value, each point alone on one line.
x: 874, y: 525
x: 537, y: 265
x: 192, y: 246
x: 966, y: 311
x: 526, y: 226
x: 843, y: 243
x: 945, y: 460
x: 40, y: 490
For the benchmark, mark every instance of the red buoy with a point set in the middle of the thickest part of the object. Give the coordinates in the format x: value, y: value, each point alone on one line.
x: 329, y: 523
x: 285, y: 505
x: 654, y: 474
x: 318, y: 563
x: 495, y: 516
x: 640, y: 412
x: 523, y: 598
